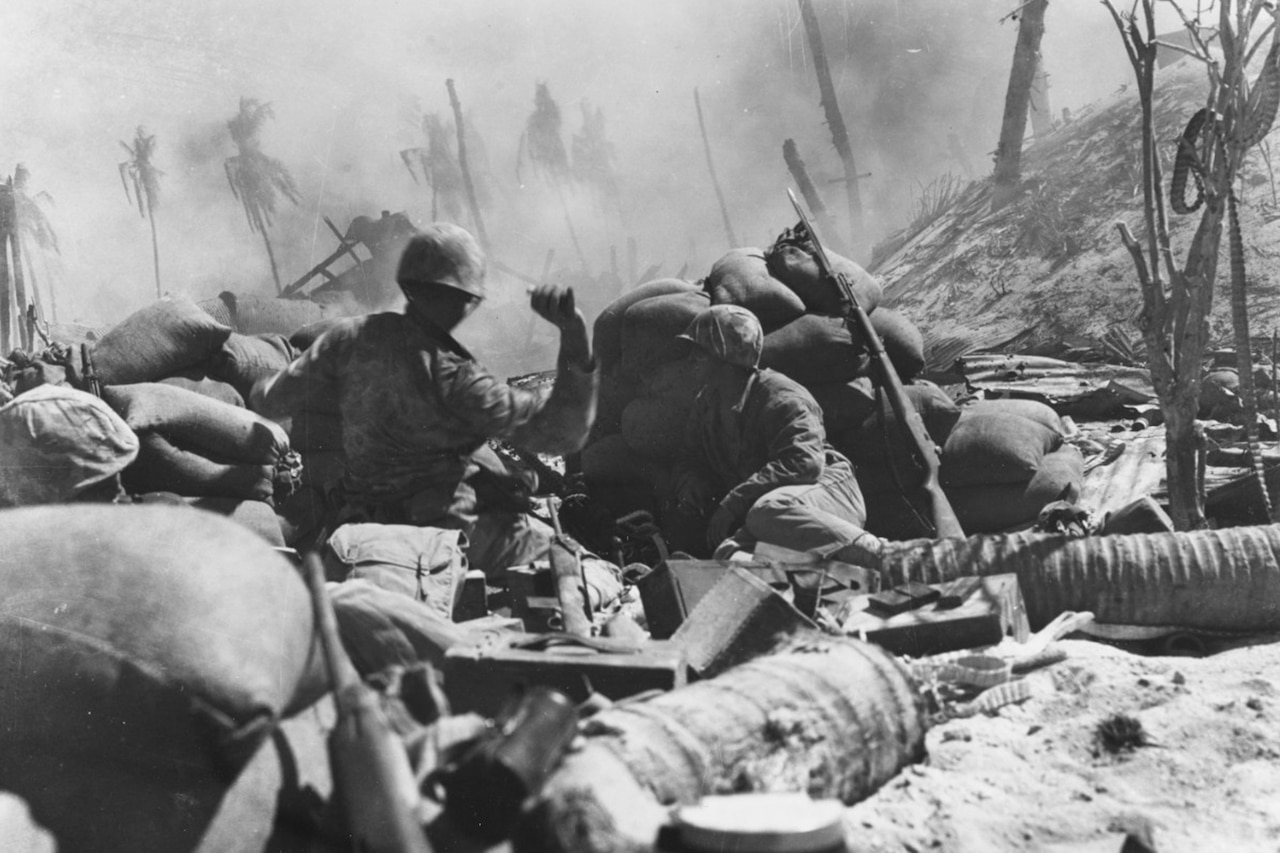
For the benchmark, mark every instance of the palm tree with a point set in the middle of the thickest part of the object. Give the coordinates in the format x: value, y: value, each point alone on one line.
x: 256, y: 179
x: 542, y: 144
x: 139, y: 171
x: 21, y: 218
x: 594, y: 158
x: 438, y: 163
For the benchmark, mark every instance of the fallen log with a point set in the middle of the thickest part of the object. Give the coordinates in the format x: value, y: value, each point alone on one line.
x: 829, y: 716
x: 1210, y: 580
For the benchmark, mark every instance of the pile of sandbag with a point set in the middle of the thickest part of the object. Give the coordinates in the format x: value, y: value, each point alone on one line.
x: 191, y: 445
x: 148, y: 655
x: 1004, y: 460
x: 646, y: 391
x: 883, y: 460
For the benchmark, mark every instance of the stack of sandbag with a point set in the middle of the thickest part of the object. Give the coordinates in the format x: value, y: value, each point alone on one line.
x: 170, y: 339
x: 196, y: 446
x: 883, y: 459
x: 249, y: 314
x: 805, y: 336
x: 1004, y: 460
x: 742, y: 278
x: 627, y: 345
x: 147, y: 654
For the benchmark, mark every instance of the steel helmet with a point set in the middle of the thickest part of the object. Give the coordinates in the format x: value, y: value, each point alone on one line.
x: 729, y: 332
x: 56, y: 441
x: 443, y: 253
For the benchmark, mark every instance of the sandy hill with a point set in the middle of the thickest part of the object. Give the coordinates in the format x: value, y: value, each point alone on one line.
x: 1048, y: 273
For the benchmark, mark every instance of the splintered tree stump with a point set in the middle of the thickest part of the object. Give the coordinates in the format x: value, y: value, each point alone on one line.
x: 829, y: 716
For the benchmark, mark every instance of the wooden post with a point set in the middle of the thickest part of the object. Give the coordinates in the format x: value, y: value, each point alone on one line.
x: 464, y: 168
x: 858, y: 242
x: 711, y: 167
x: 631, y: 262
x: 1013, y: 127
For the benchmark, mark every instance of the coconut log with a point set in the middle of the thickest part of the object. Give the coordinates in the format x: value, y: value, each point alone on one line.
x: 829, y: 716
x: 1207, y: 580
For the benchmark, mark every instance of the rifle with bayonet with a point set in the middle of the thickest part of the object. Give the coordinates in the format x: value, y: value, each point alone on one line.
x: 859, y: 324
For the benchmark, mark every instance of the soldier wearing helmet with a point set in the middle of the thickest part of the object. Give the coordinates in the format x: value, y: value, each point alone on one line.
x: 757, y: 464
x: 417, y: 410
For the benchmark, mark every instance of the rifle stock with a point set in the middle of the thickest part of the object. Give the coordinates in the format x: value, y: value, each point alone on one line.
x: 566, y: 569
x: 372, y: 776
x: 945, y: 523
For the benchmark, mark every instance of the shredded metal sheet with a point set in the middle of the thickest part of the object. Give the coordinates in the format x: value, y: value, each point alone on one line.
x: 1080, y: 390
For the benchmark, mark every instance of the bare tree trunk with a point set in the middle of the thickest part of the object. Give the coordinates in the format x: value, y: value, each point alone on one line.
x: 19, y: 283
x: 155, y: 254
x: 271, y: 256
x: 711, y: 167
x: 1014, y: 125
x: 811, y: 195
x: 1174, y: 316
x: 463, y: 166
x: 1244, y: 361
x: 6, y: 311
x: 1041, y: 106
x: 858, y: 241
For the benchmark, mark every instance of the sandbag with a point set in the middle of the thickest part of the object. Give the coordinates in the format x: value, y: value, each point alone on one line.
x: 245, y: 359
x: 198, y: 423
x: 162, y: 339
x: 257, y: 315
x: 606, y: 335
x: 650, y: 327
x: 55, y: 442
x: 815, y: 350
x: 741, y: 277
x: 845, y: 405
x: 147, y: 652
x: 427, y: 564
x: 617, y: 389
x: 1220, y: 395
x: 161, y: 466
x: 988, y: 447
x: 795, y: 267
x: 654, y: 427
x: 674, y: 381
x: 902, y: 341
x: 880, y: 439
x: 1041, y: 413
x: 1000, y: 506
x: 197, y: 381
x: 381, y: 628
x: 258, y: 516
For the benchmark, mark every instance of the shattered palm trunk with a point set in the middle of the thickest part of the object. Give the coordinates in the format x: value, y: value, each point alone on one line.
x: 829, y: 716
x: 1209, y: 580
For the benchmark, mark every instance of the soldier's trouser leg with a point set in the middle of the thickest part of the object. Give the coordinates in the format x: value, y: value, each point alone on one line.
x: 824, y: 518
x: 499, y: 540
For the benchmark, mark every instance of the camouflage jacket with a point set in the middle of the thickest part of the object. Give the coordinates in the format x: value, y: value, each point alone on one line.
x: 416, y: 410
x: 770, y: 436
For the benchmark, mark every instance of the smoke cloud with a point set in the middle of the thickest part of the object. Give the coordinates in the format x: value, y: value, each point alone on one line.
x: 349, y: 84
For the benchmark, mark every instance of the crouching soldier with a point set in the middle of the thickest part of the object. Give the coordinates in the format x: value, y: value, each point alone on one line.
x: 757, y: 463
x: 416, y: 410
